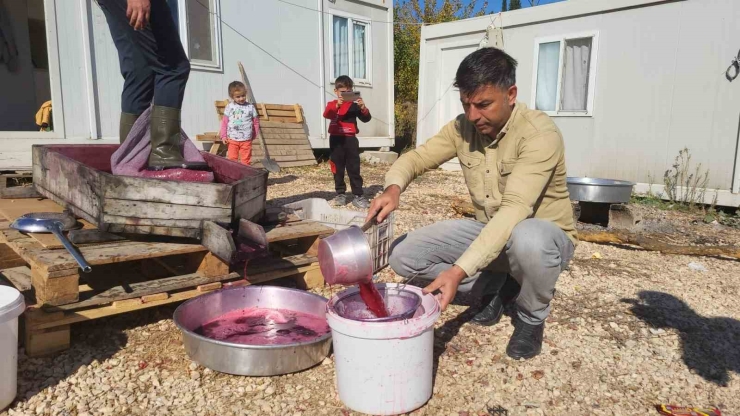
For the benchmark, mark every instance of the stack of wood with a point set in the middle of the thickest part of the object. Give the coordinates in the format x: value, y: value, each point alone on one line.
x: 285, y: 133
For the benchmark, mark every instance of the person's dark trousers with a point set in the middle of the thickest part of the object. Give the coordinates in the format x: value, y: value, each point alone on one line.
x: 152, y: 60
x: 345, y: 155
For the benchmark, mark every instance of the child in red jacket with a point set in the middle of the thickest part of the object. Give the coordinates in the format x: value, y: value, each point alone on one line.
x: 345, y: 148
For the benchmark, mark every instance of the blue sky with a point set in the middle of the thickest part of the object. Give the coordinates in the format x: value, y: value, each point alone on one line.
x: 494, y: 6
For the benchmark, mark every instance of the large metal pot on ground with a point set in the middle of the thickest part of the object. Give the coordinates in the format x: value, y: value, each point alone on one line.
x: 251, y: 360
x: 609, y: 191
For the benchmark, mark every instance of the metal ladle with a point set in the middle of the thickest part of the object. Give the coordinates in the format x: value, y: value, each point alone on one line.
x: 51, y: 223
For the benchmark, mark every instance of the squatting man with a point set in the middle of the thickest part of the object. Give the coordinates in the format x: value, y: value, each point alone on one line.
x: 523, y: 235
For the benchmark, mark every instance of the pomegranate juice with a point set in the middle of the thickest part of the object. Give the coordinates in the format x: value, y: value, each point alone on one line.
x: 263, y: 326
x: 374, y: 302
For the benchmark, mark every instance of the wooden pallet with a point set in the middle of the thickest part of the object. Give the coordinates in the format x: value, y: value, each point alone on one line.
x: 132, y: 275
x: 284, y: 132
x: 9, y: 190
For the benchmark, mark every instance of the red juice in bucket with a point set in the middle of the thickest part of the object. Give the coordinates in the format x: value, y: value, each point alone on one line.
x: 374, y: 302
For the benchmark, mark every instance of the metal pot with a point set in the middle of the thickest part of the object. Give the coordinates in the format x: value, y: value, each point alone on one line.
x: 600, y: 190
x: 345, y: 258
x: 251, y: 360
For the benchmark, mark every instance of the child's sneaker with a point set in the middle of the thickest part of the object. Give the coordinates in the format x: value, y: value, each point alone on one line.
x: 361, y: 202
x: 340, y: 199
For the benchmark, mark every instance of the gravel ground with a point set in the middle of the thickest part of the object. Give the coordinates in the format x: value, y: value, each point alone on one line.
x: 629, y: 329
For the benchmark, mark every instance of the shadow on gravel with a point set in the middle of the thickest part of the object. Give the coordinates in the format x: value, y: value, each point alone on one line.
x: 709, y: 344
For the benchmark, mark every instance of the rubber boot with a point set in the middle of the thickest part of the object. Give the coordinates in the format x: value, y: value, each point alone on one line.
x: 166, y: 141
x: 125, y: 125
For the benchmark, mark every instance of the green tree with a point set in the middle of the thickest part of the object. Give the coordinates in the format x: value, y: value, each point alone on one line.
x: 409, y: 15
x: 503, y: 6
x: 515, y: 4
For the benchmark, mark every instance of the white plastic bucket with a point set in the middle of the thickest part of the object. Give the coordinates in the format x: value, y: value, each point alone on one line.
x: 384, y: 368
x: 11, y: 307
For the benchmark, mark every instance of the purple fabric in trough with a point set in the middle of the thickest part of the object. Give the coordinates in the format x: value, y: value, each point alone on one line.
x: 132, y: 157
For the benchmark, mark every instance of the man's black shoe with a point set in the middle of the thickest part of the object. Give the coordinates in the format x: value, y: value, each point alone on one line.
x: 491, y: 313
x: 494, y: 304
x: 526, y: 342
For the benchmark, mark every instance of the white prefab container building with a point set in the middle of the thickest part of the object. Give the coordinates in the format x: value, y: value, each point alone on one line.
x: 292, y: 51
x: 628, y: 82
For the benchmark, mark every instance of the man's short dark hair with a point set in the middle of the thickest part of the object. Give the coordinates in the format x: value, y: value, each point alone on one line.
x: 344, y: 81
x: 486, y: 66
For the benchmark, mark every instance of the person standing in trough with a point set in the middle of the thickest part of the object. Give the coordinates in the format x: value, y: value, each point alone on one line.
x: 523, y: 235
x: 155, y: 70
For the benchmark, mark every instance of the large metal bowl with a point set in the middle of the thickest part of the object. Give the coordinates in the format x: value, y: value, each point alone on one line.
x: 251, y: 360
x: 600, y: 190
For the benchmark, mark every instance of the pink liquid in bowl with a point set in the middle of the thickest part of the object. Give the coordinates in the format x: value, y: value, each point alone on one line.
x: 263, y: 326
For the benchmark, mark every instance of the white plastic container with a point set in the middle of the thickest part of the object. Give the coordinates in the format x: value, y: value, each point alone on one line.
x: 384, y: 368
x: 11, y: 307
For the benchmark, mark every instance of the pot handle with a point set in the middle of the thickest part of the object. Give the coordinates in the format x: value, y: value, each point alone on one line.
x: 372, y: 221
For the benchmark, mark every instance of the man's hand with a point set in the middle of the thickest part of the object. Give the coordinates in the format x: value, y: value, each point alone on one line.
x: 361, y: 103
x: 138, y: 12
x: 340, y: 101
x: 386, y: 203
x: 447, y: 283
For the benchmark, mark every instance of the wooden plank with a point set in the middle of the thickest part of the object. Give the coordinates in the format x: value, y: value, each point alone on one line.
x: 216, y: 148
x: 86, y: 236
x: 117, y: 219
x: 218, y: 241
x: 311, y: 279
x: 13, y: 209
x: 285, y: 142
x: 19, y: 192
x: 154, y: 230
x: 9, y: 258
x: 158, y: 210
x: 278, y: 147
x: 278, y: 106
x: 283, y: 113
x: 38, y: 320
x: 272, y: 124
x: 155, y: 297
x: 298, y: 113
x: 126, y: 303
x: 264, y: 112
x: 79, y: 185
x: 286, y: 120
x: 55, y: 260
x: 297, y: 230
x: 209, y: 287
x: 282, y: 130
x: 296, y: 136
x: 20, y: 277
x: 141, y: 289
x: 289, y: 152
x: 55, y: 291
x: 211, y: 266
x: 208, y: 137
x: 45, y: 341
x: 216, y: 195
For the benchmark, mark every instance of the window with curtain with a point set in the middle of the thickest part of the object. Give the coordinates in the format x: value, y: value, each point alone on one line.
x: 341, y: 46
x: 351, y: 48
x: 564, y: 75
